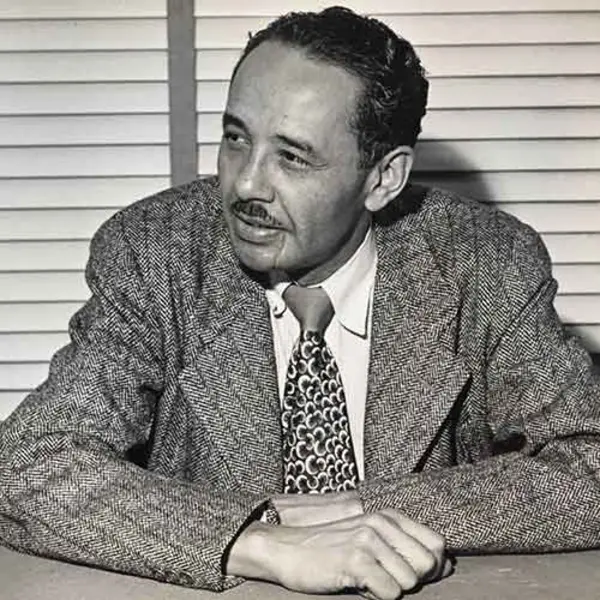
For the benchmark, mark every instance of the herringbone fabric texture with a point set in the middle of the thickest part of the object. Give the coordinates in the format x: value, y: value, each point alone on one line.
x: 318, y: 456
x: 482, y: 415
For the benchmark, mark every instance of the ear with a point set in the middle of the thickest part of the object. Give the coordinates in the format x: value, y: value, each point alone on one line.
x: 388, y: 177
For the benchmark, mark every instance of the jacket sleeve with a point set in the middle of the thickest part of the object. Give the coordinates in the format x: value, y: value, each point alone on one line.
x: 67, y: 489
x: 536, y: 486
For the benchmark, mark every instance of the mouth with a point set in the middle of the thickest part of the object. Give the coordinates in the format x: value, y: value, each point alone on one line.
x: 254, y: 215
x: 257, y: 222
x: 255, y: 230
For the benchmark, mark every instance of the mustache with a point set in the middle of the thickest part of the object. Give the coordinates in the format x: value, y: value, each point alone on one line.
x: 256, y: 211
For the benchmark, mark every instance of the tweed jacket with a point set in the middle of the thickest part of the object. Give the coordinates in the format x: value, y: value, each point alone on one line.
x: 482, y: 413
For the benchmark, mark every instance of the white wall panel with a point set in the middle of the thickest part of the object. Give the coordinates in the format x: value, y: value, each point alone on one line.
x: 574, y: 248
x: 43, y: 255
x: 515, y: 186
x: 496, y: 27
x: 36, y: 317
x: 57, y: 224
x: 272, y: 8
x: 558, y: 217
x: 47, y: 286
x: 84, y: 161
x: 578, y: 279
x: 9, y: 401
x: 83, y: 98
x: 16, y: 348
x: 76, y: 191
x: 227, y: 31
x: 521, y: 92
x: 577, y: 309
x: 537, y: 123
x: 23, y: 376
x: 36, y: 67
x: 53, y: 130
x: 97, y: 34
x: 507, y: 155
x: 82, y: 9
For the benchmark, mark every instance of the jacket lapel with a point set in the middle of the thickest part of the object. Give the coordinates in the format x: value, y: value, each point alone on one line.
x: 414, y: 375
x: 230, y: 379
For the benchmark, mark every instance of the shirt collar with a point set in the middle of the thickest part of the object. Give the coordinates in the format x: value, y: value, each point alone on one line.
x: 349, y: 288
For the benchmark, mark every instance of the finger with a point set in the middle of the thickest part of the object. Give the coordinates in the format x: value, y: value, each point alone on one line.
x: 432, y: 540
x: 392, y: 562
x: 448, y: 568
x: 417, y: 555
x: 374, y: 581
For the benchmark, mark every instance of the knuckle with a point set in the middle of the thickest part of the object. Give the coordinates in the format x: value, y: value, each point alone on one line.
x: 391, y: 591
x: 366, y: 536
x: 379, y: 587
x: 375, y: 520
x: 428, y: 565
x: 357, y: 561
x: 410, y: 581
x: 438, y: 544
x: 346, y: 580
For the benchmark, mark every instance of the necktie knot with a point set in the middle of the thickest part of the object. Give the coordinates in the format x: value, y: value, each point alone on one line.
x: 310, y: 305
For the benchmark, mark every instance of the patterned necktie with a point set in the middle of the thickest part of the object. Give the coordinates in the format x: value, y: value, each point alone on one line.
x: 318, y: 456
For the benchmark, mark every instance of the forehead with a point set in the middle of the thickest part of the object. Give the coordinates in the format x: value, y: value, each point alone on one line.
x: 280, y: 86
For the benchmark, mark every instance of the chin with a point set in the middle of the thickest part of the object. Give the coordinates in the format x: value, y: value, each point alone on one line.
x: 255, y: 258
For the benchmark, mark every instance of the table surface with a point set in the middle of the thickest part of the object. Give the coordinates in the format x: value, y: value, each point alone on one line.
x: 535, y: 577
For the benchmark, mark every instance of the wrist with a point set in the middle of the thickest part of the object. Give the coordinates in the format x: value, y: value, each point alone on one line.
x: 251, y: 554
x: 301, y: 510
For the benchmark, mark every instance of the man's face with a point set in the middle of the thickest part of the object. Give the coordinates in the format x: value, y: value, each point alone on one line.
x: 293, y: 192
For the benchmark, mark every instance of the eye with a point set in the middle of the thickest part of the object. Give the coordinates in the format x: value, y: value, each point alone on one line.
x: 234, y: 138
x: 294, y: 159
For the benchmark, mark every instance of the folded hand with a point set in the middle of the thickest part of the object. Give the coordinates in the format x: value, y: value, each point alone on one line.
x: 381, y: 555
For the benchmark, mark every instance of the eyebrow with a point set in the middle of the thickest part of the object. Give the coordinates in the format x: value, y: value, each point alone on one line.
x: 301, y: 145
x: 229, y: 119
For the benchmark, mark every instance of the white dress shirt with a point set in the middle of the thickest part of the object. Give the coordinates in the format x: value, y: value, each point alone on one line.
x: 350, y: 290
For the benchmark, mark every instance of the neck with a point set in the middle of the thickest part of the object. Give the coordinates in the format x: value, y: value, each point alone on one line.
x: 316, y: 275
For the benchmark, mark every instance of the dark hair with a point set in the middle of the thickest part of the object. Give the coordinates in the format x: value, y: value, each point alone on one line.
x: 394, y: 98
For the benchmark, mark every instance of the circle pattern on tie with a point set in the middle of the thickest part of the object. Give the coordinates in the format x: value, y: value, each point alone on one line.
x: 317, y: 446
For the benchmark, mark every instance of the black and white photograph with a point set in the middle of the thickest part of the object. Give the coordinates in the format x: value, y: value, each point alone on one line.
x: 299, y: 299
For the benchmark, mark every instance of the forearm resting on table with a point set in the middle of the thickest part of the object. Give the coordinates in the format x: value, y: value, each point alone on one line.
x: 249, y: 556
x: 383, y: 553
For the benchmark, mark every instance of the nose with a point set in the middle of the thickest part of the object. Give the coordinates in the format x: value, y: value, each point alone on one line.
x: 252, y: 181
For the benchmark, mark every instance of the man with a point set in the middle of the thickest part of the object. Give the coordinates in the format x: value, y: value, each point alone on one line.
x: 431, y: 390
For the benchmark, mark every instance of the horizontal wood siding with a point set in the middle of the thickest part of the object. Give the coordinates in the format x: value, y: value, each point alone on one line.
x: 84, y: 130
x: 514, y: 119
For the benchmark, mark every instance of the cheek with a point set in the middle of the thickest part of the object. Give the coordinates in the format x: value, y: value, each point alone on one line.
x: 319, y: 225
x: 227, y: 170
